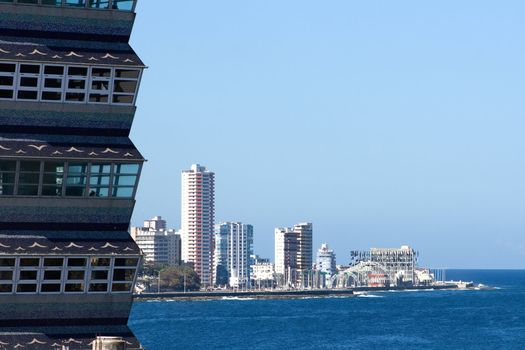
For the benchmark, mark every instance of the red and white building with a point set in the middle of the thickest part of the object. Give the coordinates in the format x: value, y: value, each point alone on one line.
x: 197, y: 220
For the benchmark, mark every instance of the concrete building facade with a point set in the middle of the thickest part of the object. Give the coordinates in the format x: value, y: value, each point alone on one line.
x: 325, y: 260
x: 158, y: 244
x: 197, y: 220
x: 293, y: 253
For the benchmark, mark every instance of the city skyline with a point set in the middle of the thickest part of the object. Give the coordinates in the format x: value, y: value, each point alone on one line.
x: 383, y: 125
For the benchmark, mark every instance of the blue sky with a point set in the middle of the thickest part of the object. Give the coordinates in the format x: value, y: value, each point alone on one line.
x: 384, y: 123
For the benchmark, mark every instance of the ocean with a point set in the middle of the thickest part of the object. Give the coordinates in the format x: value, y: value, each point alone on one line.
x: 473, y: 319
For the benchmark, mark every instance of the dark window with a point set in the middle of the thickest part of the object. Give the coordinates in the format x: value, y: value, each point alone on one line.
x: 75, y: 275
x: 28, y: 275
x: 6, y: 288
x: 72, y: 262
x: 101, y: 72
x: 126, y: 73
x: 52, y: 275
x: 98, y: 275
x: 53, y: 262
x: 100, y: 261
x: 29, y: 262
x: 54, y: 70
x: 121, y: 287
x: 123, y: 274
x: 51, y: 96
x: 122, y: 99
x: 27, y: 95
x: 7, y: 262
x: 26, y: 288
x: 6, y: 275
x: 6, y: 94
x: 126, y: 262
x: 78, y: 71
x: 7, y: 68
x: 50, y: 288
x: 29, y: 68
x: 74, y: 287
x: 6, y: 81
x: 98, y: 287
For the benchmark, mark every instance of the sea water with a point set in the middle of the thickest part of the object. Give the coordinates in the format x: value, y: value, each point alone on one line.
x: 471, y: 319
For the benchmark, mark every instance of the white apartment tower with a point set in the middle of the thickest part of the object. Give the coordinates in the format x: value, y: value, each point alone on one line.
x: 325, y: 261
x: 197, y: 220
x: 293, y: 252
x: 233, y: 248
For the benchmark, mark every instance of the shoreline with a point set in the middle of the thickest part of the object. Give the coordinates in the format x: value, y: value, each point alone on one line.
x: 280, y: 294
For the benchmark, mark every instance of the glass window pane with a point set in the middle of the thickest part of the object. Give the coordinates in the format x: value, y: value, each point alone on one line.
x: 6, y: 288
x: 26, y: 288
x: 124, y: 180
x: 99, y: 192
x: 29, y: 178
x: 7, y: 190
x: 30, y: 166
x: 7, y: 262
x: 100, y: 168
x: 99, y: 180
x: 123, y: 5
x: 123, y: 192
x: 53, y: 179
x: 28, y: 1
x: 127, y: 86
x: 54, y: 167
x: 100, y: 85
x: 75, y: 191
x: 28, y: 82
x: 98, y: 287
x: 6, y: 81
x: 33, y: 262
x: 29, y: 69
x: 75, y: 275
x: 76, y: 84
x: 126, y: 262
x: 27, y: 190
x: 127, y: 99
x: 76, y: 180
x: 98, y: 275
x: 75, y: 97
x: 28, y: 275
x: 54, y: 70
x: 127, y: 73
x: 7, y: 68
x: 53, y: 275
x: 51, y: 96
x: 6, y: 94
x: 77, y: 71
x: 27, y: 95
x: 127, y: 168
x: 6, y: 275
x: 74, y: 287
x: 7, y: 165
x: 100, y: 72
x: 77, y: 168
x: 121, y: 287
x: 53, y: 83
x: 100, y: 261
x: 50, y: 288
x: 75, y: 262
x: 53, y: 262
x: 51, y: 191
x: 98, y: 98
x: 75, y: 3
x: 123, y: 274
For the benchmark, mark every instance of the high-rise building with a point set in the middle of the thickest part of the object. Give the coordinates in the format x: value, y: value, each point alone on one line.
x: 293, y: 253
x: 233, y: 248
x: 158, y: 244
x: 325, y: 261
x: 68, y: 172
x: 197, y: 219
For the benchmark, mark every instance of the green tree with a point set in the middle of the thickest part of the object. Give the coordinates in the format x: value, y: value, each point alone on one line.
x: 173, y: 278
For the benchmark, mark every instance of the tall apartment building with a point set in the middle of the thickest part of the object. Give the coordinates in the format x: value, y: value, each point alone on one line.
x: 197, y: 219
x: 158, y: 244
x: 233, y: 248
x: 293, y: 252
x: 68, y: 172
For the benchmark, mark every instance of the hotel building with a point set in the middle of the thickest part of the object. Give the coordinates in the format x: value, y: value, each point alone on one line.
x: 293, y: 253
x: 68, y: 172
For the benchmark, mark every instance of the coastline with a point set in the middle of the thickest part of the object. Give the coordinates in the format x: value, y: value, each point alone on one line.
x: 280, y: 294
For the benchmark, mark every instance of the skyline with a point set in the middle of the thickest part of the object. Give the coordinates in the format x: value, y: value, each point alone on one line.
x: 382, y: 125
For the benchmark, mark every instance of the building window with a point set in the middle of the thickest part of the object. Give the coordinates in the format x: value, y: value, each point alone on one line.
x: 7, y: 80
x: 99, y: 180
x: 53, y: 179
x: 7, y: 177
x: 28, y: 81
x: 76, y: 180
x: 28, y: 178
x: 53, y: 83
x: 125, y: 85
x: 124, y: 180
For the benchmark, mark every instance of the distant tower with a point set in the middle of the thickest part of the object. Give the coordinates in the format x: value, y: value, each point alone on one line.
x: 197, y: 220
x: 293, y: 252
x: 233, y: 247
x: 326, y: 260
x: 68, y: 172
